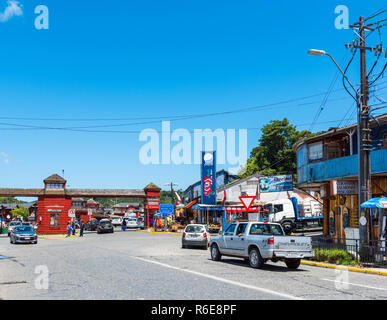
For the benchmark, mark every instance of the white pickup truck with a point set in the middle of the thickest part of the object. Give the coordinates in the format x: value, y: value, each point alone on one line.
x: 258, y: 242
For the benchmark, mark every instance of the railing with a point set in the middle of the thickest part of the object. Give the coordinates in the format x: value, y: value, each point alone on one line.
x: 372, y: 253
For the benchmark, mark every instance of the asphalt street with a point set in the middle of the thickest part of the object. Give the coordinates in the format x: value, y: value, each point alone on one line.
x: 137, y: 265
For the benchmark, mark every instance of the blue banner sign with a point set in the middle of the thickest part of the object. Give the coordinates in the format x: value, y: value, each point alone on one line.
x: 208, y: 178
x: 166, y: 208
x: 276, y: 183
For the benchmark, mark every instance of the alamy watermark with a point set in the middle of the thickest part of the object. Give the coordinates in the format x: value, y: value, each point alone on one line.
x: 42, y: 280
x: 159, y: 147
x: 342, y: 20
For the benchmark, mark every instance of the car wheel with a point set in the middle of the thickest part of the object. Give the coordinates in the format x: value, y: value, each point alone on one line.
x: 215, y: 254
x: 10, y: 240
x: 255, y: 259
x: 293, y: 263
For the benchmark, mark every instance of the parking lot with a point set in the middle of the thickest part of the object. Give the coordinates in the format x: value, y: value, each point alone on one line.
x: 140, y: 265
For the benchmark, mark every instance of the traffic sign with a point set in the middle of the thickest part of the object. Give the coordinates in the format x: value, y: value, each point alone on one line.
x: 247, y: 201
x: 71, y: 213
x: 89, y: 212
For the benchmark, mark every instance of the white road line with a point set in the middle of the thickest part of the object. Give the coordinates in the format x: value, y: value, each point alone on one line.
x: 284, y: 295
x: 355, y: 284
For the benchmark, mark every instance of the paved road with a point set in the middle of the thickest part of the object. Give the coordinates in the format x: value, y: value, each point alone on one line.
x: 137, y: 265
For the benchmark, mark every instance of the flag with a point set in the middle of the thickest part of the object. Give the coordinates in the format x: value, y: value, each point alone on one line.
x: 178, y: 197
x: 224, y: 196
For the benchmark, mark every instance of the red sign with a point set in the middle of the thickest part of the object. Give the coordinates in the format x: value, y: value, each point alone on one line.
x: 247, y: 201
x: 152, y: 206
x: 207, y: 186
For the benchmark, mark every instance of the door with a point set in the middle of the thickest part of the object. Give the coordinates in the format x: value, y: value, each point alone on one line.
x: 238, y: 245
x: 228, y: 238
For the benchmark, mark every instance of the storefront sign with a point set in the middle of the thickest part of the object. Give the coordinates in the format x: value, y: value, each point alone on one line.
x: 208, y: 179
x: 276, y: 183
x: 166, y: 208
x: 345, y: 187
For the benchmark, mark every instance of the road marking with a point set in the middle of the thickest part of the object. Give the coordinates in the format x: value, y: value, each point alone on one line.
x: 355, y: 284
x: 284, y: 295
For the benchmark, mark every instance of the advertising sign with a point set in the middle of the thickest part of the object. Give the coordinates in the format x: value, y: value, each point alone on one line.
x: 344, y: 187
x: 276, y: 183
x: 165, y: 208
x: 208, y: 177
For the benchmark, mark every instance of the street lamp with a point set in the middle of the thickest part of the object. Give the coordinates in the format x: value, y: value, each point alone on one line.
x: 319, y: 53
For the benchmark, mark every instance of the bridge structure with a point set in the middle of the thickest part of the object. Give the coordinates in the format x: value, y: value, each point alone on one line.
x: 55, y: 201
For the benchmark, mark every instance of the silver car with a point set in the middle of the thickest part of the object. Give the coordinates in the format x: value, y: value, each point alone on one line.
x: 23, y: 234
x: 12, y: 225
x: 195, y: 235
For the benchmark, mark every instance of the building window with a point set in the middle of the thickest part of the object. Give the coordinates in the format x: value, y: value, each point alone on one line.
x: 54, y: 220
x: 55, y: 185
x: 299, y: 158
x: 315, y: 151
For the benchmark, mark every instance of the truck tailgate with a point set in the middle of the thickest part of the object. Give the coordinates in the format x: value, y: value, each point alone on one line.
x: 293, y: 247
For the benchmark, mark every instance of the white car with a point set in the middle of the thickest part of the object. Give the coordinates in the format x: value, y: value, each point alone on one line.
x: 132, y: 223
x: 12, y: 226
x: 117, y: 222
x: 196, y: 235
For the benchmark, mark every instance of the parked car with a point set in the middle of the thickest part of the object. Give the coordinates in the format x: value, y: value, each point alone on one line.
x: 117, y: 222
x: 258, y: 242
x: 195, y: 235
x: 104, y: 226
x: 23, y: 234
x: 12, y: 225
x: 92, y: 225
x: 140, y: 222
x: 131, y: 223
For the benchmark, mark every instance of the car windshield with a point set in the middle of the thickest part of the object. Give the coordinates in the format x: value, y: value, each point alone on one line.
x: 104, y: 223
x: 15, y: 223
x: 194, y: 229
x: 23, y: 229
x: 132, y: 220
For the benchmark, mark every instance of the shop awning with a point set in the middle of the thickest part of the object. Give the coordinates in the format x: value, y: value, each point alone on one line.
x: 233, y: 209
x: 208, y: 207
x: 189, y: 205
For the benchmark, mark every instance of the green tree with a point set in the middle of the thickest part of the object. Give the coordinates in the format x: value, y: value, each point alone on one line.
x: 10, y: 200
x: 20, y: 212
x: 274, y: 154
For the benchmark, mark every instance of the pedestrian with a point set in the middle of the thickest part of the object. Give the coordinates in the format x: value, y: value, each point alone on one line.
x: 73, y: 228
x: 124, y: 225
x: 82, y: 226
x: 68, y: 228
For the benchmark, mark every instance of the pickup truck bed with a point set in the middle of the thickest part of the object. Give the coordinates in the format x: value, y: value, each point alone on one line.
x: 259, y: 242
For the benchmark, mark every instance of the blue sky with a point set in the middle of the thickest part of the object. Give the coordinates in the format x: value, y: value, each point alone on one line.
x: 154, y: 59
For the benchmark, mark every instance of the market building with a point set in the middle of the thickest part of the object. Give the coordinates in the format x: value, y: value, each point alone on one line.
x: 56, y: 202
x: 327, y: 163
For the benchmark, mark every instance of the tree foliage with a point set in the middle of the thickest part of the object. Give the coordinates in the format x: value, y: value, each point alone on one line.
x: 20, y: 212
x: 274, y: 154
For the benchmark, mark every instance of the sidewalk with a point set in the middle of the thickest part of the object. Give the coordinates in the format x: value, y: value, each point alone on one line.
x: 377, y: 271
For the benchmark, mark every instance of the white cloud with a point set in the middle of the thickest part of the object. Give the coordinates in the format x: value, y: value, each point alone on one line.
x: 13, y: 9
x: 4, y: 157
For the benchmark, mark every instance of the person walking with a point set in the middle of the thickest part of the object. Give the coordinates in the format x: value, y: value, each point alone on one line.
x: 124, y: 225
x: 73, y: 228
x: 82, y: 227
x: 68, y: 228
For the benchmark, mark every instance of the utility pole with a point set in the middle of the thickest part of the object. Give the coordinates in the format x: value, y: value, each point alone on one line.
x: 172, y: 194
x: 364, y: 131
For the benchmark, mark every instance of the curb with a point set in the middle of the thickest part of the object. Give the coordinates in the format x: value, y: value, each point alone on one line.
x: 56, y: 237
x: 353, y: 269
x: 175, y: 233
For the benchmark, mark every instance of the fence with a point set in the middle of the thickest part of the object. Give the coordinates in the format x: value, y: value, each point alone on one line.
x: 372, y: 253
